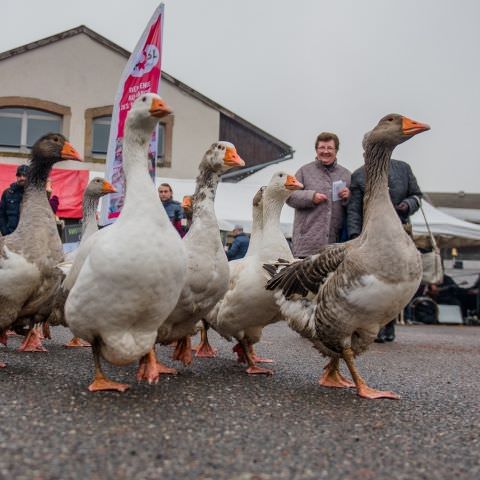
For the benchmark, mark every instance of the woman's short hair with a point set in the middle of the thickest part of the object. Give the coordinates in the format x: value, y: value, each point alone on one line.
x: 326, y: 137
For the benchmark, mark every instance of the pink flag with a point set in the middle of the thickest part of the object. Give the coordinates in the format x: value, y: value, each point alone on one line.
x: 141, y: 75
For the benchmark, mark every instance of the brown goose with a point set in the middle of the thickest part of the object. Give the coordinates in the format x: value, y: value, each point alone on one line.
x: 340, y: 297
x: 28, y: 256
x: 96, y: 188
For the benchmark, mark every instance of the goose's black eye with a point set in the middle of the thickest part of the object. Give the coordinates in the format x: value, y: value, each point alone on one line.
x: 390, y: 119
x: 281, y: 175
x: 144, y: 99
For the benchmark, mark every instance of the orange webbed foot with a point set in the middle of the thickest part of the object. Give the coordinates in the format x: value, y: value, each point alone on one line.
x: 164, y: 370
x: 32, y: 342
x: 205, y: 350
x: 104, y: 384
x: 365, y: 391
x: 256, y: 370
x: 77, y: 342
x: 335, y: 380
x: 183, y: 351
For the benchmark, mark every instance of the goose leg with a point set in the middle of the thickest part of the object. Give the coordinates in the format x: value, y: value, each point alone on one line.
x: 32, y: 342
x: 363, y: 390
x: 150, y: 368
x: 101, y: 381
x: 77, y: 342
x: 183, y: 350
x: 332, y: 377
x: 46, y: 330
x: 238, y: 349
x: 252, y: 369
x: 257, y: 358
x: 204, y: 349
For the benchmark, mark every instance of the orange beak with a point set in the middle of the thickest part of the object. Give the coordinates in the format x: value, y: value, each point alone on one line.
x: 69, y: 153
x: 291, y: 183
x: 411, y: 127
x: 232, y: 158
x: 107, y: 187
x: 187, y: 202
x: 159, y: 108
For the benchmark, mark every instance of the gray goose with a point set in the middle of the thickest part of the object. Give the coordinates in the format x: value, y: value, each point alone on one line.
x: 28, y: 256
x: 96, y: 188
x: 207, y: 265
x: 341, y: 297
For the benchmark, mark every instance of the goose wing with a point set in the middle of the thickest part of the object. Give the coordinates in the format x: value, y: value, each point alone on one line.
x: 305, y: 276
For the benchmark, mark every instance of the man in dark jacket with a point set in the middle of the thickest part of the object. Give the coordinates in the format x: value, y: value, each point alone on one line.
x: 405, y: 195
x: 172, y: 207
x: 239, y: 247
x: 11, y: 201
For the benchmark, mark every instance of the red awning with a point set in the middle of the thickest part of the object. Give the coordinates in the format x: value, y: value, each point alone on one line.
x: 68, y: 186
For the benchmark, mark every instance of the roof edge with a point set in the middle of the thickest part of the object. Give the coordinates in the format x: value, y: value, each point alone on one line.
x: 169, y: 78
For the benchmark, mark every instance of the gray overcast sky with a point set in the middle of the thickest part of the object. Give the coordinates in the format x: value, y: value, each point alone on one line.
x: 295, y: 68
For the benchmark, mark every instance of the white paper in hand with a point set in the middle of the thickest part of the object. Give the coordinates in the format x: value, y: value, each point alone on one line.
x: 337, y: 187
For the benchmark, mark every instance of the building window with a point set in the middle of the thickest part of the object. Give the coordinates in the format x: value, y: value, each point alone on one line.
x: 161, y: 143
x: 97, y: 133
x: 101, y: 132
x: 20, y: 128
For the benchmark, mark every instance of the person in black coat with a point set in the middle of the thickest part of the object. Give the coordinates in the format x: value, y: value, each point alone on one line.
x: 405, y: 195
x: 11, y: 201
x: 239, y: 247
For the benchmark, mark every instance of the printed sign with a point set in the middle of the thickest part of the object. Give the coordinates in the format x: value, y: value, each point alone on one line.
x: 142, y: 74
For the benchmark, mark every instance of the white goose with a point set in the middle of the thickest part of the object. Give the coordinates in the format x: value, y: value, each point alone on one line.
x: 207, y: 265
x: 204, y: 349
x: 135, y: 269
x: 245, y: 309
x: 96, y: 188
x: 28, y: 256
x: 341, y: 297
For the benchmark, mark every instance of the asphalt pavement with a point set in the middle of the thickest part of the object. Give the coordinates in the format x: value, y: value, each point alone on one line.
x: 213, y: 421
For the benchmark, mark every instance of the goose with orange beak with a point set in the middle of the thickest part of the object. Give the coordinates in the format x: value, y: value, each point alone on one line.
x: 341, y: 297
x: 137, y: 266
x: 207, y: 265
x: 29, y: 255
x: 247, y: 307
x: 96, y: 188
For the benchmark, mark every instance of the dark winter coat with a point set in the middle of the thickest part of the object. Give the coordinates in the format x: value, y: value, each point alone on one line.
x: 239, y: 247
x: 317, y: 225
x: 10, y: 208
x: 175, y: 214
x: 403, y: 187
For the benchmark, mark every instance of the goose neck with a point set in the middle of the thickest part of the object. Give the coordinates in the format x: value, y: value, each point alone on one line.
x: 204, y: 196
x: 140, y: 192
x: 257, y: 228
x: 89, y: 206
x: 377, y: 162
x: 272, y: 208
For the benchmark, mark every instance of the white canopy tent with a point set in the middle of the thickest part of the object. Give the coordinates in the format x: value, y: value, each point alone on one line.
x: 233, y: 205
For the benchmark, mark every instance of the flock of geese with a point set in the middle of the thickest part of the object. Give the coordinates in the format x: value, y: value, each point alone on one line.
x: 136, y: 283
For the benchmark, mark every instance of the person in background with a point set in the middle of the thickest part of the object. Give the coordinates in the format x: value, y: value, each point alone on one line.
x: 239, y: 246
x: 405, y: 195
x: 11, y: 201
x: 53, y: 199
x: 320, y: 207
x: 172, y: 207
